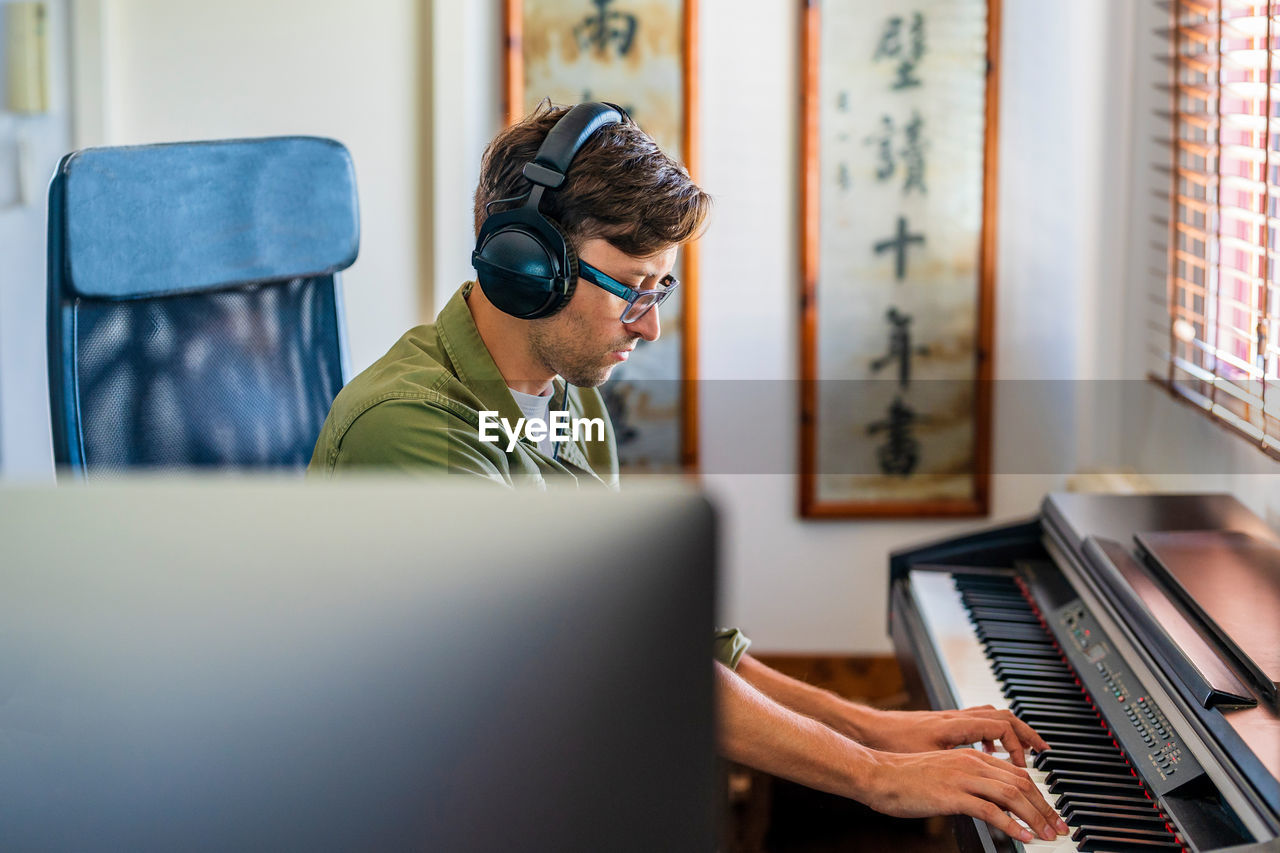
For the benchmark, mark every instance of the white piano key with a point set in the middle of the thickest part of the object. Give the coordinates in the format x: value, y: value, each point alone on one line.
x: 1039, y: 845
x: 968, y: 671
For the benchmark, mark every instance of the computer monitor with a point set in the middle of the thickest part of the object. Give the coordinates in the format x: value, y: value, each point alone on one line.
x: 244, y: 665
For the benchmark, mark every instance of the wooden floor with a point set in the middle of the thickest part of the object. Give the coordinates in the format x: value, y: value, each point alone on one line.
x: 773, y: 815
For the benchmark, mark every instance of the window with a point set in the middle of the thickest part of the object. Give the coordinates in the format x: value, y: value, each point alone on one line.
x: 1219, y: 346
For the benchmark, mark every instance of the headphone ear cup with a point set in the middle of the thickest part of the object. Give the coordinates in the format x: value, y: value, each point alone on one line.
x: 571, y: 271
x: 518, y: 265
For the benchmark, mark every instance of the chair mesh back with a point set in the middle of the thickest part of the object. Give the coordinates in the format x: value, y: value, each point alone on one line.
x: 234, y: 378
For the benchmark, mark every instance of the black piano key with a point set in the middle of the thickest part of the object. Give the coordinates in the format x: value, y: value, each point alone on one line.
x: 1087, y: 724
x: 1114, y: 844
x: 1122, y: 820
x: 1015, y: 687
x: 1042, y: 667
x: 970, y: 579
x: 1041, y: 760
x: 1088, y: 765
x: 1111, y: 803
x: 1002, y: 631
x: 1017, y: 669
x: 1007, y: 654
x: 1115, y: 807
x: 1053, y: 761
x: 1078, y: 698
x: 1089, y: 750
x: 1071, y: 787
x: 1059, y: 683
x: 1099, y: 775
x: 995, y: 600
x: 1046, y: 679
x: 1057, y: 739
x: 1087, y: 829
x: 1051, y: 703
x: 995, y: 645
x: 996, y: 614
x: 1051, y: 718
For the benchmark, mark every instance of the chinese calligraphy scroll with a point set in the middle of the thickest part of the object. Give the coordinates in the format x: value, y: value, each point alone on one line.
x: 899, y: 177
x: 638, y: 55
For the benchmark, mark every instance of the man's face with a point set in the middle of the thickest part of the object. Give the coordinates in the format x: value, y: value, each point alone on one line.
x: 586, y: 340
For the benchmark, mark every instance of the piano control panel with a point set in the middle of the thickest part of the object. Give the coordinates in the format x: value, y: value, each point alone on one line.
x: 1135, y: 718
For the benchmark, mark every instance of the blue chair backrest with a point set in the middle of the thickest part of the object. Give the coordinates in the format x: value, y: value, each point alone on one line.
x: 195, y: 315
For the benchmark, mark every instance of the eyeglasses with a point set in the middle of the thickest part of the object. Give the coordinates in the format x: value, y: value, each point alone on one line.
x: 638, y: 301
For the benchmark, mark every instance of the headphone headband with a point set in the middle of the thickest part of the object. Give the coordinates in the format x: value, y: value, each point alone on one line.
x: 557, y: 151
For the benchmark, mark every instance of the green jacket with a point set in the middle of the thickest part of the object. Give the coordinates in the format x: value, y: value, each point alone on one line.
x: 418, y: 409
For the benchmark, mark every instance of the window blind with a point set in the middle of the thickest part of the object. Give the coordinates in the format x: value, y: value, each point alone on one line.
x: 1219, y: 347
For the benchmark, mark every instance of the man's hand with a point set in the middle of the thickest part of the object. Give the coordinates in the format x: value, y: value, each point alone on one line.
x: 960, y: 781
x: 923, y: 731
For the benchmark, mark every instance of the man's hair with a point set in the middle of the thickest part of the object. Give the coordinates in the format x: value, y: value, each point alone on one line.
x: 620, y: 186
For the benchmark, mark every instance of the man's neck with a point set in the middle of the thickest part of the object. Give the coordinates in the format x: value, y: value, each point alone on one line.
x: 507, y: 340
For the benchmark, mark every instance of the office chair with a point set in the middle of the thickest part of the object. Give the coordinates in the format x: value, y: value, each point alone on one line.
x: 195, y: 314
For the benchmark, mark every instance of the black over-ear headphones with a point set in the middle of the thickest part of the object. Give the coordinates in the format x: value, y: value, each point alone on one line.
x: 523, y: 262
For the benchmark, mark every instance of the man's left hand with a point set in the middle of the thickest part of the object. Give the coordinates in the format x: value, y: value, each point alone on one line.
x: 923, y: 731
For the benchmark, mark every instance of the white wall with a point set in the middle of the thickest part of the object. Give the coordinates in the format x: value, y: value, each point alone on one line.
x: 198, y: 70
x: 25, y: 449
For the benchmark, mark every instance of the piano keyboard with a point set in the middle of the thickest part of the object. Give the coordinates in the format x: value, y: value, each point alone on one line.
x: 997, y: 650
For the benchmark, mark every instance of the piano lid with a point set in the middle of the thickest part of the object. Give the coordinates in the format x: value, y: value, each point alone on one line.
x: 1231, y: 581
x: 1073, y: 516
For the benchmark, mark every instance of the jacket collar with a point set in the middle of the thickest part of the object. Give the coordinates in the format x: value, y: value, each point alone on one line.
x: 471, y: 361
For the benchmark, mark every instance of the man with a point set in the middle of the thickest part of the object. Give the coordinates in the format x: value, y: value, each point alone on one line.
x: 572, y: 264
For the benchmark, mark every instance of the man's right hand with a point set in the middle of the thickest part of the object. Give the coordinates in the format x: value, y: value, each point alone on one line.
x: 959, y: 781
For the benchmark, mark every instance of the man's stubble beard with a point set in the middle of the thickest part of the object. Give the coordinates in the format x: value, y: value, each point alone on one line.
x: 557, y: 344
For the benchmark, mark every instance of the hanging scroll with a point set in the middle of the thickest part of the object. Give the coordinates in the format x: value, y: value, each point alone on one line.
x: 637, y: 55
x: 899, y: 169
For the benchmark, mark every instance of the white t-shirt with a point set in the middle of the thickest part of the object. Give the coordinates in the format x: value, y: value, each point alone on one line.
x: 535, y: 408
